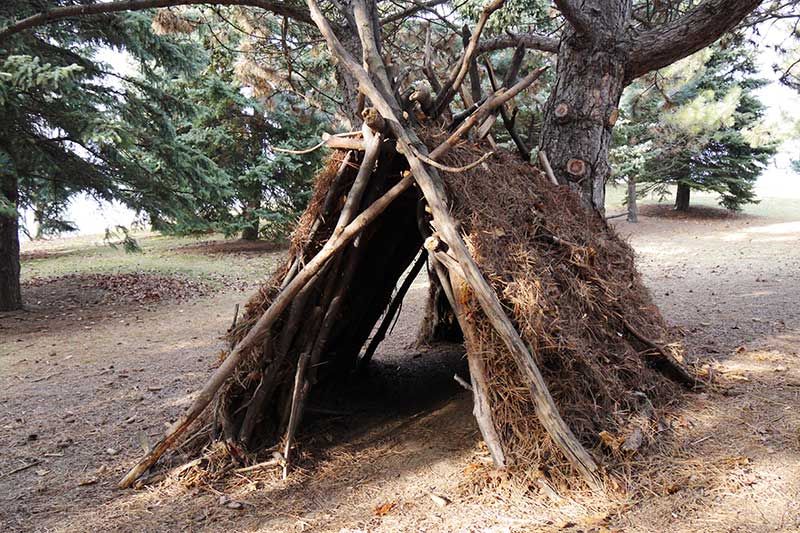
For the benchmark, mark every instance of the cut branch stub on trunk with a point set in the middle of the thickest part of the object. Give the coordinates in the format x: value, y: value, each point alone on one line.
x: 433, y: 189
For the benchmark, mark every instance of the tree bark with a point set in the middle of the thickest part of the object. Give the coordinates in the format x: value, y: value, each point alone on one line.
x: 581, y: 111
x: 682, y: 197
x: 633, y: 208
x: 10, y: 294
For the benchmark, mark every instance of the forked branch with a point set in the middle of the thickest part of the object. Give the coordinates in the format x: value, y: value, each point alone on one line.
x: 452, y: 85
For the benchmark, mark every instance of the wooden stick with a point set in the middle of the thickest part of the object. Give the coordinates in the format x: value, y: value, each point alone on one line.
x: 370, y: 47
x: 391, y: 311
x: 433, y: 189
x: 372, y: 144
x: 344, y: 143
x: 325, y: 211
x: 255, y: 334
x: 266, y: 385
x: 666, y: 362
x: 461, y: 381
x: 480, y: 387
x: 298, y: 398
x: 493, y: 102
x: 508, y: 122
x: 337, y: 140
x: 548, y: 170
x: 427, y: 68
x: 233, y: 324
x: 258, y: 466
x: 452, y: 85
x: 454, y: 170
x: 21, y: 468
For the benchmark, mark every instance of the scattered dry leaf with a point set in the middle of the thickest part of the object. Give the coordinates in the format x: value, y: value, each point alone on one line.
x: 381, y: 510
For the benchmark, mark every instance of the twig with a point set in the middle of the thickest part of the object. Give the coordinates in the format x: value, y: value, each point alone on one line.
x: 21, y: 468
x: 327, y: 139
x: 445, y: 168
x: 394, y: 306
x: 666, y: 363
x: 461, y: 381
x: 298, y: 398
x: 548, y: 170
x: 258, y: 466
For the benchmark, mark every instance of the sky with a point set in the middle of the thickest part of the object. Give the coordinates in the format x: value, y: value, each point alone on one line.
x: 783, y: 106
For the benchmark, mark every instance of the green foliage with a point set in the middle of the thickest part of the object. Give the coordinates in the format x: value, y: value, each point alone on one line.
x: 121, y: 236
x: 696, y: 123
x: 176, y: 138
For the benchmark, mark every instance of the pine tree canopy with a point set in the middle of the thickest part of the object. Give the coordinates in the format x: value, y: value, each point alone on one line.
x: 178, y: 138
x: 697, y: 124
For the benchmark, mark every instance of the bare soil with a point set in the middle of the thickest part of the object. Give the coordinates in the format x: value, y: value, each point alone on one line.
x: 399, y: 451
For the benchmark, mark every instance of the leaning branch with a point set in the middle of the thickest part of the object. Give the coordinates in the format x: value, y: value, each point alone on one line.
x: 260, y: 328
x: 51, y: 15
x: 489, y: 106
x: 433, y: 190
x: 452, y: 85
x: 695, y: 30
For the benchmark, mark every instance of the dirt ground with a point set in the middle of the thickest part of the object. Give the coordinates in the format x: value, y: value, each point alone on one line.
x: 81, y: 382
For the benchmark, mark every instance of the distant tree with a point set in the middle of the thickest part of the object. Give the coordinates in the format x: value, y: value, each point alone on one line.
x: 697, y: 125
x: 177, y: 138
x: 238, y: 129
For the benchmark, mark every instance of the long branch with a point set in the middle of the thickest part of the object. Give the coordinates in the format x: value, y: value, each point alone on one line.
x: 686, y: 35
x: 489, y: 106
x: 259, y: 329
x: 60, y: 13
x: 452, y: 85
x: 432, y: 188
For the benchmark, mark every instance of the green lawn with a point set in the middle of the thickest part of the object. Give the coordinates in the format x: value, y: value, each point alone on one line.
x: 160, y: 254
x: 771, y: 207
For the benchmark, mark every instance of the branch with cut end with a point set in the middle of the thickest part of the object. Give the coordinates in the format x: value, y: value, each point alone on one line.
x: 451, y: 86
x: 100, y: 8
x: 342, y: 141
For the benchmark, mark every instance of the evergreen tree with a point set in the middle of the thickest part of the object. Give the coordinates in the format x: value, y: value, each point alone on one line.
x: 695, y: 126
x: 188, y: 150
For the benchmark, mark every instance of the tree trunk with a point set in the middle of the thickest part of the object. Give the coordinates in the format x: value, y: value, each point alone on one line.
x: 682, y: 197
x: 633, y: 209
x: 250, y: 233
x: 10, y: 294
x: 583, y: 105
x: 580, y: 114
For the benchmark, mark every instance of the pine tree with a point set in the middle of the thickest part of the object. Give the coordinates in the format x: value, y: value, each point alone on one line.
x: 695, y: 126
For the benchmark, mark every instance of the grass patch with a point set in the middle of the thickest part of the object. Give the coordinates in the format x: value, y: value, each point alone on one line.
x: 160, y: 254
x: 768, y: 207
